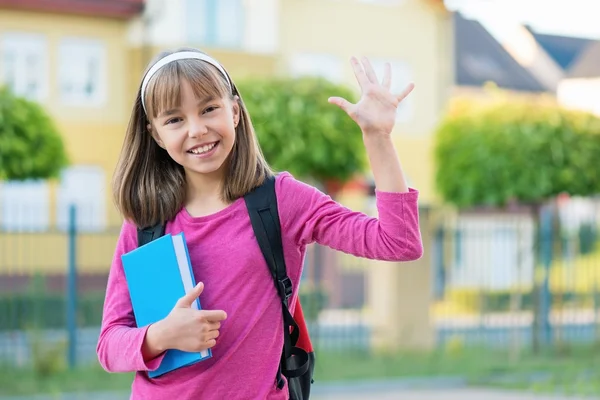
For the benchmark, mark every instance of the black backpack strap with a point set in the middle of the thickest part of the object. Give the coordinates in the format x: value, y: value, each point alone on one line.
x: 146, y: 235
x: 264, y: 216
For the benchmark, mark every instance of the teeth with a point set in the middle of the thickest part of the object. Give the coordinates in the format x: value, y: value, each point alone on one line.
x: 203, y: 149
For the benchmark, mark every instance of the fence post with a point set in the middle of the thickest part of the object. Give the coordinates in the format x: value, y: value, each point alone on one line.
x: 546, y: 227
x: 71, y: 302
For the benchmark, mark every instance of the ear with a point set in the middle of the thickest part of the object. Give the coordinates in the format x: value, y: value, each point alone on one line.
x: 155, y: 136
x: 236, y: 111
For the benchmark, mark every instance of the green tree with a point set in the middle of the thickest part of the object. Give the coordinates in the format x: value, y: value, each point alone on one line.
x: 299, y: 131
x: 30, y: 145
x: 515, y: 150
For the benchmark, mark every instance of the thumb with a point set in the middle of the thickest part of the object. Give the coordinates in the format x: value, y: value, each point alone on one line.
x: 191, y: 296
x: 341, y: 103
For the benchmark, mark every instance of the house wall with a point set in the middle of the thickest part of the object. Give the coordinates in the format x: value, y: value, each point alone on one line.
x: 382, y: 32
x: 580, y: 94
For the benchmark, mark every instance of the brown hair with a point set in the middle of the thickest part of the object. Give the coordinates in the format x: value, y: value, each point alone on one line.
x: 148, y: 185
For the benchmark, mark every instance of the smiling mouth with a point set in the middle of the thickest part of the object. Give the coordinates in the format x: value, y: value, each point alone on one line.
x: 203, y: 149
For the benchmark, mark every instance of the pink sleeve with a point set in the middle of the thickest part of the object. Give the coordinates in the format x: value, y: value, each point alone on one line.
x: 308, y: 215
x: 120, y: 343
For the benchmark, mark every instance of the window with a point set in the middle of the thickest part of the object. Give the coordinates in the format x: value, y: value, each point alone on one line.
x: 25, y: 205
x: 315, y: 64
x: 24, y: 64
x: 401, y: 76
x: 83, y: 187
x: 384, y: 2
x: 218, y: 23
x: 82, y: 72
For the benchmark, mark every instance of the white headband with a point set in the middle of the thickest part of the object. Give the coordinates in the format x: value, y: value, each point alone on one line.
x: 180, y: 56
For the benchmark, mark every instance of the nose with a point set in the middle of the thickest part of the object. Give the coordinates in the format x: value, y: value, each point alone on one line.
x: 197, y: 128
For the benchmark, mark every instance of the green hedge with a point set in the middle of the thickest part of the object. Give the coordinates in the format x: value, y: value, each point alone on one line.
x: 500, y: 301
x: 31, y: 147
x: 300, y: 132
x: 511, y: 149
x: 47, y: 311
x: 313, y: 300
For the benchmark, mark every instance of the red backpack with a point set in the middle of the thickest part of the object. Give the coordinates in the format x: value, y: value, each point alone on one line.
x: 297, y: 356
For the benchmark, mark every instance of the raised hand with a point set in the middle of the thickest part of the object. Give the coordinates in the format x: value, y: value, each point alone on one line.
x: 375, y: 112
x: 186, y: 328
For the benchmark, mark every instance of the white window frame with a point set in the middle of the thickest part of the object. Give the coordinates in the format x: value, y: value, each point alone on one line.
x: 24, y: 46
x: 323, y: 65
x: 25, y: 206
x: 75, y: 56
x: 227, y: 20
x: 389, y: 3
x: 83, y: 186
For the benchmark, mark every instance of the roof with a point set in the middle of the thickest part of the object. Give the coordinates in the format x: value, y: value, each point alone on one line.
x: 120, y: 9
x: 587, y: 65
x: 563, y: 49
x: 480, y: 58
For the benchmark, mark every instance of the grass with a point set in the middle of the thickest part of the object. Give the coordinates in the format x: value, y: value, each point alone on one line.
x: 21, y: 381
x: 475, y: 364
x: 572, y: 370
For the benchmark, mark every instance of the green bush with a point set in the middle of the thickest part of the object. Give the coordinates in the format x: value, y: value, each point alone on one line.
x: 477, y: 301
x: 47, y: 310
x: 491, y: 153
x: 299, y: 131
x: 30, y: 145
x: 313, y: 300
x: 588, y: 238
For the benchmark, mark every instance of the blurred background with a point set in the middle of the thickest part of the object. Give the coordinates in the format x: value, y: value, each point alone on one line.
x: 501, y: 137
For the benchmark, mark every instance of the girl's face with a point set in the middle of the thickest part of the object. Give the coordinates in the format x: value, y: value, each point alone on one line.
x: 200, y: 133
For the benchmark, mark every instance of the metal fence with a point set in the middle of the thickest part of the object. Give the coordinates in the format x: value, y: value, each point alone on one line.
x: 52, y: 286
x: 518, y: 279
x: 498, y: 280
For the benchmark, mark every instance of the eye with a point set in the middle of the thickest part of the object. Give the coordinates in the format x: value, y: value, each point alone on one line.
x: 210, y: 109
x: 172, y: 121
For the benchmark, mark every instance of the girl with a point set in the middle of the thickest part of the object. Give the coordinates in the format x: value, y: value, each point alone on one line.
x: 189, y: 156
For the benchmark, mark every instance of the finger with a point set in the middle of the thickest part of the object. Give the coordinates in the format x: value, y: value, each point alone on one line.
x: 405, y: 92
x: 210, y: 343
x: 214, y: 326
x: 387, y: 76
x: 342, y: 103
x: 359, y: 73
x: 191, y: 296
x: 214, y: 315
x: 212, y: 335
x: 369, y: 71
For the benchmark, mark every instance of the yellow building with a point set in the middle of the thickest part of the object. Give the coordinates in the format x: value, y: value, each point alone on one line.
x: 72, y: 58
x: 83, y: 63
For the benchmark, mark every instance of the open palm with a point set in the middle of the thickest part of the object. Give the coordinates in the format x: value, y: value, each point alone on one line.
x: 375, y: 112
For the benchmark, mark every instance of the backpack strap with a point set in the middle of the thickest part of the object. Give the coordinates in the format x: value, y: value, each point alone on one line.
x: 148, y: 234
x: 264, y: 216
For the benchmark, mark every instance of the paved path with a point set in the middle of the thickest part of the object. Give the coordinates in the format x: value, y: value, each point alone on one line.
x: 391, y: 394
x: 452, y: 394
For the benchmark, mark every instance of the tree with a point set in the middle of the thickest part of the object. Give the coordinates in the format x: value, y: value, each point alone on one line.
x: 515, y: 150
x: 30, y: 145
x: 299, y: 131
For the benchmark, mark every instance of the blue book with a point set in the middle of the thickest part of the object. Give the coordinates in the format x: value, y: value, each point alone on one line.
x: 158, y: 274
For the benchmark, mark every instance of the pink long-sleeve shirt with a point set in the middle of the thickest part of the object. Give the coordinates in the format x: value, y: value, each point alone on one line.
x: 226, y: 257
